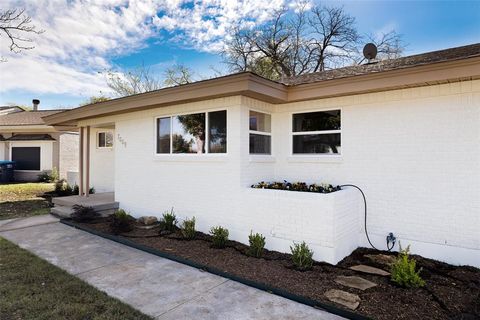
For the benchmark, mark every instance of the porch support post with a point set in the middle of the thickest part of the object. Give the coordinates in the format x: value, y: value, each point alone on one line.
x: 80, y: 165
x: 87, y: 164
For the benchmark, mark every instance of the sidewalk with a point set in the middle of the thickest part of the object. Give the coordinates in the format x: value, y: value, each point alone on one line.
x: 159, y: 287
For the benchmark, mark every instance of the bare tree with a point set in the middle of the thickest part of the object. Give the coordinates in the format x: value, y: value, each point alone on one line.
x: 390, y: 45
x: 299, y: 42
x: 95, y: 99
x: 15, y: 24
x: 335, y: 38
x: 177, y: 74
x: 137, y: 80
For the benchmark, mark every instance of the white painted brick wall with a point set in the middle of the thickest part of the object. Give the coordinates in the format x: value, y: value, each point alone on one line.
x: 415, y: 152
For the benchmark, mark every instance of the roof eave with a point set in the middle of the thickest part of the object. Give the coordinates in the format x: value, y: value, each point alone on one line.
x: 247, y: 84
x: 428, y: 74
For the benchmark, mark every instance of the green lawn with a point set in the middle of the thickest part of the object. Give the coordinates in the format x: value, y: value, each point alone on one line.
x: 31, y: 288
x: 22, y: 199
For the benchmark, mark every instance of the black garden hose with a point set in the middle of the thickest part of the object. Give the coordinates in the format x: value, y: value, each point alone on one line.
x: 365, y: 215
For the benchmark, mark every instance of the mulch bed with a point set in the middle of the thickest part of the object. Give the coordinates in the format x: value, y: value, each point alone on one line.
x: 450, y: 292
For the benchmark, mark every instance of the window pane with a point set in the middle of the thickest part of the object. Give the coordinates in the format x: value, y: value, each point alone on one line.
x: 260, y: 121
x: 108, y: 139
x: 26, y: 158
x: 317, y: 121
x: 101, y: 139
x: 317, y: 143
x: 260, y: 144
x: 189, y: 133
x: 217, y: 122
x: 163, y: 137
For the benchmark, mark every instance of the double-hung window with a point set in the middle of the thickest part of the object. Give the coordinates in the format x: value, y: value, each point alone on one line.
x: 260, y: 133
x: 196, y: 133
x: 316, y: 132
x: 105, y: 139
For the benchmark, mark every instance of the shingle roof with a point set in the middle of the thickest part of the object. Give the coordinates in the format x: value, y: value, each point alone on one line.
x: 388, y: 65
x: 30, y: 137
x: 25, y: 118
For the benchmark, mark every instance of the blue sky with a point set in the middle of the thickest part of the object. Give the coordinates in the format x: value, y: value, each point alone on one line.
x: 63, y: 69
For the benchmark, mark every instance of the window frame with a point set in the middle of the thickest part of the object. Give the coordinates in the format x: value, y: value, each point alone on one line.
x: 300, y: 133
x: 40, y: 162
x: 263, y: 133
x: 98, y: 139
x: 207, y: 134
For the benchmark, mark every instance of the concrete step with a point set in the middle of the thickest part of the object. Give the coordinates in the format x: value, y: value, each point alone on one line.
x: 61, y: 211
x: 66, y: 211
x: 106, y: 198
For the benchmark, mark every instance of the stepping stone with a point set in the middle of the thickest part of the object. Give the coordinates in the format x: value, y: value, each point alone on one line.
x: 355, y: 282
x: 371, y: 270
x: 344, y: 298
x: 381, y: 259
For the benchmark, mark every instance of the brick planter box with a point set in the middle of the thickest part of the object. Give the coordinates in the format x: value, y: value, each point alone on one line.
x: 328, y: 223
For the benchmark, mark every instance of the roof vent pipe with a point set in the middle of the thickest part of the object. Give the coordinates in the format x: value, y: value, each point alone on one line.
x: 35, y: 102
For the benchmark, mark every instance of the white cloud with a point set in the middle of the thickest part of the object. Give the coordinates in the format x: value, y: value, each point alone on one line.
x: 206, y: 24
x: 82, y: 36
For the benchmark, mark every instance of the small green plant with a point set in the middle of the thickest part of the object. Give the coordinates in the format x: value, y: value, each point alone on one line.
x: 188, y: 228
x: 404, y: 271
x: 257, y: 243
x: 121, y: 222
x: 169, y: 221
x: 302, y: 256
x: 49, y: 176
x: 83, y: 214
x: 219, y: 237
x: 62, y: 188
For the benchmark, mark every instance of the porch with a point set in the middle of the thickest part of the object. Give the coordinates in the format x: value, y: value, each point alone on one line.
x: 104, y: 203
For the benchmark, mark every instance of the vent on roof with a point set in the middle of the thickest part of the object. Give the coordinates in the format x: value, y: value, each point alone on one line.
x: 35, y: 102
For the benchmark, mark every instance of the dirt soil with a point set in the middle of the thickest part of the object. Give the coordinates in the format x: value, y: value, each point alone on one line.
x: 18, y: 200
x: 450, y: 292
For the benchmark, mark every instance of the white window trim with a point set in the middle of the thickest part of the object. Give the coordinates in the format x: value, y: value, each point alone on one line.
x: 98, y: 139
x: 314, y: 157
x: 263, y: 133
x: 178, y: 156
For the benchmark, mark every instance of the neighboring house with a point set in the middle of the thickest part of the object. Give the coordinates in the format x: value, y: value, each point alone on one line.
x: 406, y: 131
x: 34, y: 146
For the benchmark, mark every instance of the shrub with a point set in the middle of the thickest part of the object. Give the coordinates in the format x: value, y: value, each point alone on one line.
x: 302, y: 256
x: 83, y: 214
x: 49, y: 176
x: 62, y: 188
x: 403, y: 271
x: 121, y: 222
x: 257, y: 243
x: 169, y: 221
x: 188, y: 228
x: 219, y: 237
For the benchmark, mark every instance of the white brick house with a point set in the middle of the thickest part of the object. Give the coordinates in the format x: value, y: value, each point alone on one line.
x: 406, y: 131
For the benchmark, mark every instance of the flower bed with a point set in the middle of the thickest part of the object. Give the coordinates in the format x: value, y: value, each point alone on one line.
x: 297, y: 186
x: 449, y: 292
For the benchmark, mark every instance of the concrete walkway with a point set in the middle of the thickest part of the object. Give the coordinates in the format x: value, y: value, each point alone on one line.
x: 159, y: 287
